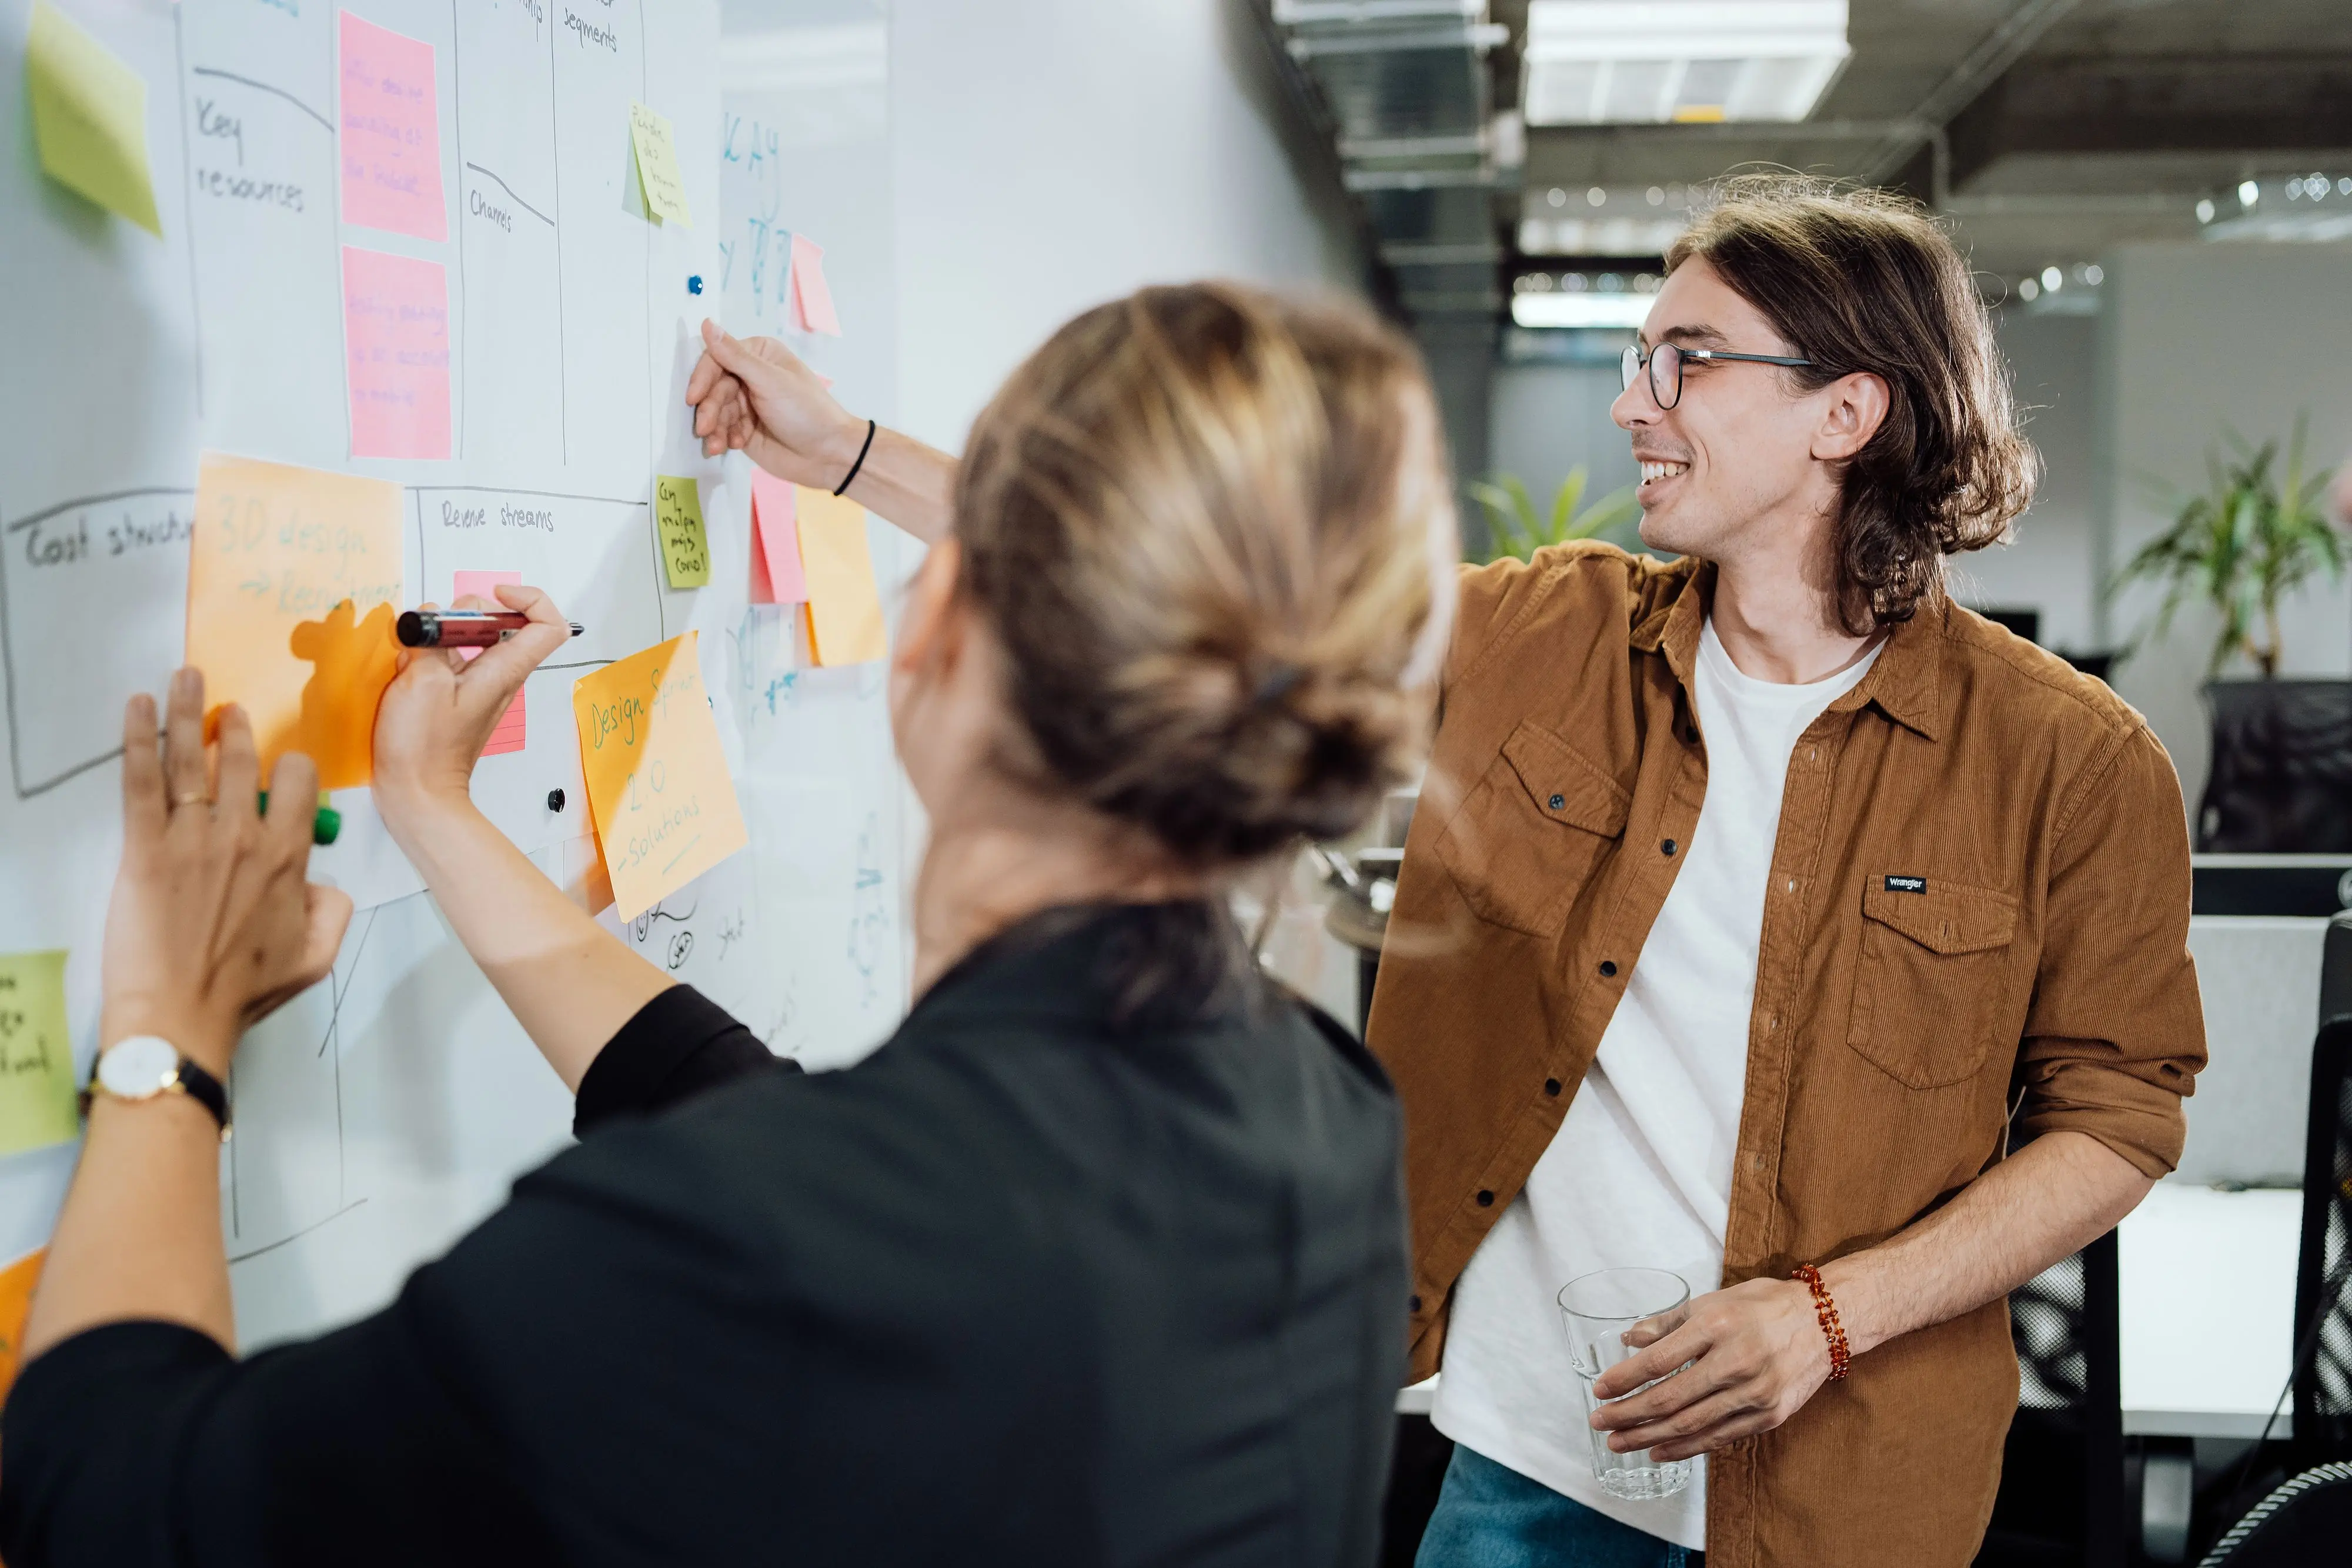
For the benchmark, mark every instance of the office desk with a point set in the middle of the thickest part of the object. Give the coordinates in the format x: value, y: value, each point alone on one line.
x: 2207, y: 1298
x: 2208, y: 1289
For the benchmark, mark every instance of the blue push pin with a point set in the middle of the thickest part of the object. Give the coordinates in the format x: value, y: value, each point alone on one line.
x: 694, y: 284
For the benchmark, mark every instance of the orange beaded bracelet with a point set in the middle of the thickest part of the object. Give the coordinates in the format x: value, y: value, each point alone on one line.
x: 1826, y: 1310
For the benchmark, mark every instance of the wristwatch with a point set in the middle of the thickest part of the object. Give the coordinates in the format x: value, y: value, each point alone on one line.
x: 142, y: 1066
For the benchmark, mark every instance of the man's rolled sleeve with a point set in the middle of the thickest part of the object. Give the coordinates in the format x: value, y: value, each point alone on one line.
x: 2115, y: 1036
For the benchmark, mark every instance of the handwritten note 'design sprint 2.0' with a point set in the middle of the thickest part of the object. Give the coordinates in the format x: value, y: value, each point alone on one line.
x: 396, y: 337
x: 392, y: 134
x: 294, y: 577
x: 664, y: 807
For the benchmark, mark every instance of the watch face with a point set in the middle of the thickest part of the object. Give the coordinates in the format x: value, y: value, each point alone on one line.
x: 135, y: 1068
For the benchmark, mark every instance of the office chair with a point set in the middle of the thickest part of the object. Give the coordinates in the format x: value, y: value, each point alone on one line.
x: 2323, y: 1302
x: 2307, y: 1517
x: 2304, y: 1523
x: 2062, y: 1480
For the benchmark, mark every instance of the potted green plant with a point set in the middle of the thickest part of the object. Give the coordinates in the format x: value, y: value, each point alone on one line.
x: 1516, y: 528
x: 2280, y: 780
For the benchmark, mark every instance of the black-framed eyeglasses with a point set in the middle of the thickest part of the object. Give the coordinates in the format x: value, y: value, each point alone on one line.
x: 1665, y: 362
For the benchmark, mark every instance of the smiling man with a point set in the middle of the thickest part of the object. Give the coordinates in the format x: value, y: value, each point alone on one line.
x: 1771, y: 919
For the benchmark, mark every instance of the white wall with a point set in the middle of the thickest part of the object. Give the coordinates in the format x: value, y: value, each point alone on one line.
x: 2200, y: 335
x: 1051, y: 154
x: 2051, y: 563
x: 1547, y: 419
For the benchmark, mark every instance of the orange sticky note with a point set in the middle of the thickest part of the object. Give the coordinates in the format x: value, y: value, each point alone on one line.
x: 777, y: 522
x: 811, y: 298
x: 664, y: 808
x: 16, y: 1282
x: 294, y: 576
x: 509, y: 735
x: 844, y: 611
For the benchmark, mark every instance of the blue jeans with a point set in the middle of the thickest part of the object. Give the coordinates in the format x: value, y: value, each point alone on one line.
x: 1489, y: 1516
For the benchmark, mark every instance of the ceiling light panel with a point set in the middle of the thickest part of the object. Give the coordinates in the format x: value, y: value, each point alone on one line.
x: 1620, y: 310
x: 1633, y: 62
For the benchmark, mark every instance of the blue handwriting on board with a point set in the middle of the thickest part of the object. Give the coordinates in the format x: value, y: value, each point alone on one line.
x: 870, y: 913
x: 771, y: 689
x: 760, y: 245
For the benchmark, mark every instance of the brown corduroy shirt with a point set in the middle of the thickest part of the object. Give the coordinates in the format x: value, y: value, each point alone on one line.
x: 1979, y: 892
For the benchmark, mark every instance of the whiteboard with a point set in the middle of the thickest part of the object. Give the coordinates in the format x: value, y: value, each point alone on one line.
x: 385, y: 1112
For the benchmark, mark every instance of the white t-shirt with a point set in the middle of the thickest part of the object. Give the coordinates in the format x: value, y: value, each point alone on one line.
x: 1639, y: 1174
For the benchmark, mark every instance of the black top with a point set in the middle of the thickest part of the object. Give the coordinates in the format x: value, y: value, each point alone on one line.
x: 1029, y: 1285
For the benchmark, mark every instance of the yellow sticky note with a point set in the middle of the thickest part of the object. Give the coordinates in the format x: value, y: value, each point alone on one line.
x: 845, y: 611
x: 658, y: 793
x: 16, y: 1282
x: 657, y: 171
x: 37, y: 1104
x: 294, y: 578
x: 678, y: 517
x: 89, y: 115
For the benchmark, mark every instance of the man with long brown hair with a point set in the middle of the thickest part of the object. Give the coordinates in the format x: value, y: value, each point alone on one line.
x: 1771, y: 919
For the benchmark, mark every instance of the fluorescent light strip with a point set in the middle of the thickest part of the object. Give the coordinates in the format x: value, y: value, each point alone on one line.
x: 1619, y: 310
x: 1684, y: 29
x: 1593, y: 62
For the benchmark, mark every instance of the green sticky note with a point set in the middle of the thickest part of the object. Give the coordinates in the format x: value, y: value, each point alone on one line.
x: 657, y: 172
x: 37, y: 1104
x: 89, y: 116
x: 677, y: 519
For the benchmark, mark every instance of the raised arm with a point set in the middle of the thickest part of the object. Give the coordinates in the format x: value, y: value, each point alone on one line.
x: 568, y: 982
x: 754, y: 395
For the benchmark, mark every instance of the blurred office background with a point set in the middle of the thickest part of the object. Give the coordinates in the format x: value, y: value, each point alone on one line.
x: 2156, y: 198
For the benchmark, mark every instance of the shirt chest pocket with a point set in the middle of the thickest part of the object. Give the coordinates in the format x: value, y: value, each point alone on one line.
x: 1931, y: 989
x: 1531, y: 831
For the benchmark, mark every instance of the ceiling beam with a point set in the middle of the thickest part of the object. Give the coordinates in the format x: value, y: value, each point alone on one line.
x: 1979, y: 68
x: 2156, y: 104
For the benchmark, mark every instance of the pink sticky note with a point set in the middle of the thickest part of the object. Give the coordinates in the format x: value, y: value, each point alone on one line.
x: 812, y: 300
x: 392, y: 134
x: 396, y: 337
x: 775, y: 519
x: 509, y: 735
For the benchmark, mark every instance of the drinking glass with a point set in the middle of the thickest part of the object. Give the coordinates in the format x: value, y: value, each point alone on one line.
x: 1599, y: 1309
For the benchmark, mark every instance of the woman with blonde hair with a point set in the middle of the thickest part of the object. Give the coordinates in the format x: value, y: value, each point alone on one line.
x: 1099, y: 1260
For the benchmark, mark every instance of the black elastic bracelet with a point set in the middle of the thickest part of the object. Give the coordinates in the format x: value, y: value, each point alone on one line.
x: 862, y: 451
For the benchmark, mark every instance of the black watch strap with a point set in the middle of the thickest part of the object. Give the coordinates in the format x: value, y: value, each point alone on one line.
x: 206, y: 1090
x: 190, y: 1077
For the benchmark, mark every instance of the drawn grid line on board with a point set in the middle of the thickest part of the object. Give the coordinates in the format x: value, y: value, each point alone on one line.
x: 235, y: 1257
x: 511, y: 196
x: 188, y: 209
x: 335, y: 240
x: 7, y: 661
x: 263, y: 87
x: 461, y: 386
x: 562, y: 353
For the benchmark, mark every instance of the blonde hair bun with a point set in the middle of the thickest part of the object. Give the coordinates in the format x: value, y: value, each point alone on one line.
x: 1212, y: 529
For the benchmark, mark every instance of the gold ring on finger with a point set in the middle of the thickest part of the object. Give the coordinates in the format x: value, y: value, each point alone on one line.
x: 191, y: 797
